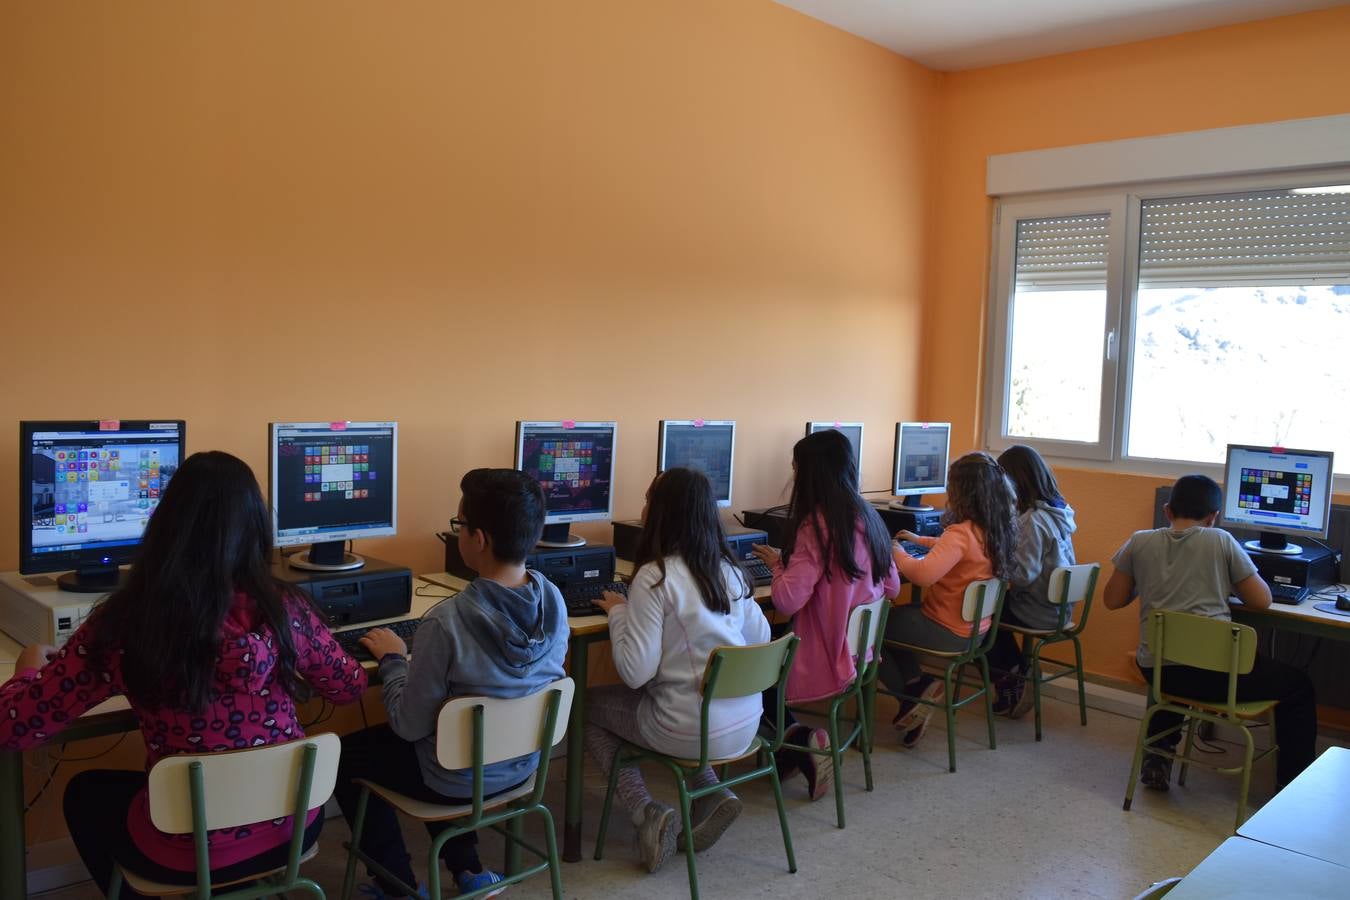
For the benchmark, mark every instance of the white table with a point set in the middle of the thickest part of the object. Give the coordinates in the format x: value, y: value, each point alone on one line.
x: 1242, y: 869
x: 1311, y: 815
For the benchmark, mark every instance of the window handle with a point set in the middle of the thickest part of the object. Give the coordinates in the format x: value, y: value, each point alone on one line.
x: 1110, y: 346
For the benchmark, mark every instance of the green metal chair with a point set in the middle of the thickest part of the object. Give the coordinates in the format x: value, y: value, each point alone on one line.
x: 1219, y: 646
x: 731, y: 672
x: 979, y: 596
x: 1069, y: 586
x: 473, y: 732
x: 866, y: 632
x: 244, y: 786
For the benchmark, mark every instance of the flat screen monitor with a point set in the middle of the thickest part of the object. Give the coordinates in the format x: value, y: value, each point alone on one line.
x: 703, y: 445
x: 574, y: 463
x: 90, y: 488
x: 1277, y: 492
x: 920, y: 461
x: 329, y: 483
x: 851, y: 430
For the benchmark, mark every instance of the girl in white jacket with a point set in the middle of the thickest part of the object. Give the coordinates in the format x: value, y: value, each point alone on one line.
x: 689, y: 595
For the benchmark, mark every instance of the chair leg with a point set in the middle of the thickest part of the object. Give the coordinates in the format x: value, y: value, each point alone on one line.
x: 988, y: 701
x: 358, y: 827
x: 1138, y: 758
x: 837, y: 761
x: 609, y: 802
x: 949, y: 701
x: 1082, y: 689
x: 1186, y: 752
x: 1246, y: 777
x: 515, y: 829
x: 115, y: 883
x: 1035, y: 678
x: 687, y: 820
x: 782, y: 812
x: 551, y: 843
x: 866, y: 723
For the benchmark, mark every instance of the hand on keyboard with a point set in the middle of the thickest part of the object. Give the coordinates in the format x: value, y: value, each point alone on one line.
x: 583, y: 599
x: 375, y: 641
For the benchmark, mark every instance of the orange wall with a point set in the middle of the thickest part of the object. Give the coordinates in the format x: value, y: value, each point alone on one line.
x: 456, y: 215
x: 1285, y: 68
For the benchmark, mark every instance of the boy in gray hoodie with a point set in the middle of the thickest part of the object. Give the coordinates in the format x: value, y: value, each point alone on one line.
x: 505, y: 635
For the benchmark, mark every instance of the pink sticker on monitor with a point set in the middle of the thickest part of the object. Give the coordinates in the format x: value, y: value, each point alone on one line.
x: 837, y: 424
x: 109, y: 424
x: 569, y: 423
x: 337, y: 426
x: 698, y: 423
x: 1276, y: 449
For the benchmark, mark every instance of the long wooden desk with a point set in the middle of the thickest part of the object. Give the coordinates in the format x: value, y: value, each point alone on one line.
x: 583, y: 631
x: 113, y: 716
x: 1303, y: 618
x: 1242, y: 869
x: 1311, y: 815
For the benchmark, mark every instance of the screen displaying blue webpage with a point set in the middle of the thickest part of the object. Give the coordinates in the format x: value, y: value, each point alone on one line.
x: 98, y: 489
x: 922, y: 457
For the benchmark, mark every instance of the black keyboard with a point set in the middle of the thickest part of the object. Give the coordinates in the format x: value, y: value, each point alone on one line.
x: 1288, y: 593
x: 350, y: 638
x: 918, y: 551
x: 759, y: 571
x: 580, y: 598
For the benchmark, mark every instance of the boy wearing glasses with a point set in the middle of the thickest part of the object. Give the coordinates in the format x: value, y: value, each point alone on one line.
x: 505, y: 635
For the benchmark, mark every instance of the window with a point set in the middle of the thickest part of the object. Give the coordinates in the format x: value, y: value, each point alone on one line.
x: 1161, y: 324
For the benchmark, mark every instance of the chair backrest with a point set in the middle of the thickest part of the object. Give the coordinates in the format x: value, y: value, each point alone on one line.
x: 1071, y: 585
x: 744, y: 671
x: 981, y: 599
x: 241, y: 786
x: 1200, y: 641
x: 866, y: 616
x: 512, y: 727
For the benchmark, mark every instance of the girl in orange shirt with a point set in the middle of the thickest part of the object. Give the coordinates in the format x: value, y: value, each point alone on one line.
x: 978, y: 542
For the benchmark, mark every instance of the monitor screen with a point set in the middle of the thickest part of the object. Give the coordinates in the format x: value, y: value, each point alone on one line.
x: 921, y: 457
x: 851, y: 430
x: 91, y: 487
x: 574, y: 463
x: 333, y: 481
x: 704, y: 446
x: 1277, y: 490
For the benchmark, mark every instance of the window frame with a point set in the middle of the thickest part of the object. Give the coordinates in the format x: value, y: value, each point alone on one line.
x: 1110, y: 452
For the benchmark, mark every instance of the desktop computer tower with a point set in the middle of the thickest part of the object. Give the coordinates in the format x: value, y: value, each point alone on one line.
x: 592, y: 563
x: 628, y: 532
x: 33, y: 610
x: 377, y: 590
x: 773, y: 521
x: 1314, y: 568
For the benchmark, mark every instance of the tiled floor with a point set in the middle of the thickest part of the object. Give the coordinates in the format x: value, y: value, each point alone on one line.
x: 1028, y: 820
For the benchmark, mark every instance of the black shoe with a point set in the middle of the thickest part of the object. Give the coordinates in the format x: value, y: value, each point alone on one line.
x: 1156, y: 774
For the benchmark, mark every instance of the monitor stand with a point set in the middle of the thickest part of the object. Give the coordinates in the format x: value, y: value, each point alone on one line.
x: 559, y: 535
x: 912, y: 503
x: 326, y: 556
x: 94, y: 580
x: 1271, y: 542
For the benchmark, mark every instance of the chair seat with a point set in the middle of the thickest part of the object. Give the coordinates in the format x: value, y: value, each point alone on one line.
x: 439, y: 812
x: 928, y: 651
x: 156, y: 889
x: 1249, y: 709
x: 754, y: 748
x: 1034, y: 632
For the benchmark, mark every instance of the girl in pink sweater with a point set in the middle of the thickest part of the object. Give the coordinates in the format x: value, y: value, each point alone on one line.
x: 978, y: 542
x: 836, y: 556
x: 211, y: 652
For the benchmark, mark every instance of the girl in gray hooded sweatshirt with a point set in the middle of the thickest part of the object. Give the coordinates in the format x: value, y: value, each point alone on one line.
x: 1045, y: 542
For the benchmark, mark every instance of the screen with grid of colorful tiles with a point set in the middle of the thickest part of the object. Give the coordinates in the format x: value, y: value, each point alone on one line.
x: 574, y: 465
x: 1274, y: 489
x: 330, y: 480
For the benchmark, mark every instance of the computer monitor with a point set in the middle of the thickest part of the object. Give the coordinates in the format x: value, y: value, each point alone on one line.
x: 920, y: 462
x: 1277, y: 492
x: 705, y: 446
x: 851, y: 430
x: 331, y: 482
x: 90, y: 489
x: 574, y: 463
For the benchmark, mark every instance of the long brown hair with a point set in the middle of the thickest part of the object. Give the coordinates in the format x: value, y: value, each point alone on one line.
x: 1031, y: 476
x: 979, y: 491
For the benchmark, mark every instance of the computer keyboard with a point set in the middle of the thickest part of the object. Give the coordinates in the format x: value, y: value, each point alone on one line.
x: 1288, y: 593
x: 759, y: 572
x: 918, y: 551
x: 350, y: 638
x: 580, y: 598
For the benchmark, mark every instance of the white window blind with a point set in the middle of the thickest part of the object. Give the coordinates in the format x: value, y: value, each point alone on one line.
x: 1062, y: 253
x: 1266, y: 237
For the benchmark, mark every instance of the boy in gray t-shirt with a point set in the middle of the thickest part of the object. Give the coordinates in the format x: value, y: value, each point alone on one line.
x: 1193, y: 567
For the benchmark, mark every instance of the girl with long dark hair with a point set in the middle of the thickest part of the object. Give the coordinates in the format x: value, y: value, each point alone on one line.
x: 978, y: 542
x: 212, y: 653
x: 836, y: 556
x: 689, y: 595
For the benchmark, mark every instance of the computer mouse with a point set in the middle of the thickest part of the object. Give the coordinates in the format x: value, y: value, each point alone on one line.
x: 1343, y: 602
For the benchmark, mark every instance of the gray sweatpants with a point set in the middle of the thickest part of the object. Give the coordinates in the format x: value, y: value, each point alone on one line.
x: 909, y: 624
